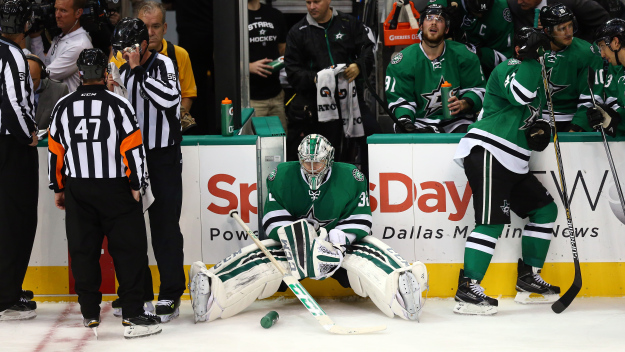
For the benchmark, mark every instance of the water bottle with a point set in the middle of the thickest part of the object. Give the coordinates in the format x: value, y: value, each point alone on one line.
x: 227, y: 121
x: 269, y: 319
x: 277, y: 64
x: 445, y: 95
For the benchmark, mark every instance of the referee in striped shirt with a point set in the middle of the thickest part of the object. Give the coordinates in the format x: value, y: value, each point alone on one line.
x: 96, y: 169
x: 19, y: 165
x: 154, y: 92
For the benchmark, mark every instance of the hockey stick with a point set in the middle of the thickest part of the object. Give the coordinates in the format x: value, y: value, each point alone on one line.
x: 591, y: 80
x: 561, y: 304
x: 301, y: 292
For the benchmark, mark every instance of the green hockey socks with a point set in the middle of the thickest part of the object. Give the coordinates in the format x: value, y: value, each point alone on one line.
x: 479, y: 250
x: 537, y: 235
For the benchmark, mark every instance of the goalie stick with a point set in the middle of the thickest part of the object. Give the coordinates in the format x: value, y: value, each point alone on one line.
x: 561, y: 304
x: 591, y: 80
x: 301, y: 292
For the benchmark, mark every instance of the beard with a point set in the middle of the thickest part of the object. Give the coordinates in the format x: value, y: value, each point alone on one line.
x: 433, y: 39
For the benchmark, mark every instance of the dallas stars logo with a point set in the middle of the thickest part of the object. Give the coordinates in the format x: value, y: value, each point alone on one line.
x: 505, y: 207
x: 434, y: 99
x: 554, y: 88
x: 339, y: 36
x: 262, y: 32
x: 314, y: 221
x: 535, y: 113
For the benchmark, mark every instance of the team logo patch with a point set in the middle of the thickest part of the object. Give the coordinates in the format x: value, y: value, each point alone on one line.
x: 397, y: 58
x: 507, y: 15
x: 171, y: 76
x: 471, y: 48
x: 273, y: 174
x: 513, y: 62
x: 143, y: 94
x: 505, y: 208
x: 358, y: 175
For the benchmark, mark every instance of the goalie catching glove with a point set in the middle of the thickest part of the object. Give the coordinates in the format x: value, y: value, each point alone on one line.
x: 538, y: 135
x: 603, y: 116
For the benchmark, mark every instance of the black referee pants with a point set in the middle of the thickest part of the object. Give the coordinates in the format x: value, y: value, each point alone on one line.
x: 19, y: 192
x: 95, y: 208
x: 165, y: 168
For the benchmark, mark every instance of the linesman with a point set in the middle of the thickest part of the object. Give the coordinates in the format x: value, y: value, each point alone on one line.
x: 154, y: 92
x: 96, y: 169
x: 19, y: 165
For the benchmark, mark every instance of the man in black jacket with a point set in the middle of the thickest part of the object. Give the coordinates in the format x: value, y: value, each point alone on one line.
x: 325, y: 37
x: 590, y: 14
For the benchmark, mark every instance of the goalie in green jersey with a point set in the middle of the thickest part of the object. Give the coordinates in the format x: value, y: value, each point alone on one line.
x: 495, y: 154
x: 318, y: 220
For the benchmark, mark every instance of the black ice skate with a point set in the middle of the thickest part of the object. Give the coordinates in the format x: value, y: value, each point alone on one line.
x: 142, y: 325
x: 531, y: 288
x: 167, y: 310
x: 471, y: 298
x: 22, y: 310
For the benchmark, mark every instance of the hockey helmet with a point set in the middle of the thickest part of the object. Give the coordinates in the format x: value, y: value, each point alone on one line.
x: 316, y: 156
x: 13, y: 16
x: 92, y: 63
x: 437, y: 10
x: 129, y: 32
x: 523, y: 35
x: 553, y: 15
x: 611, y: 29
x: 478, y: 6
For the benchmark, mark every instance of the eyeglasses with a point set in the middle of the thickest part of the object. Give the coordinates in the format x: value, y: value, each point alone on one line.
x: 436, y: 18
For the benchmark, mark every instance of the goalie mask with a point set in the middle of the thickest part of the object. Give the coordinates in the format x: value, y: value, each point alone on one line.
x: 316, y: 156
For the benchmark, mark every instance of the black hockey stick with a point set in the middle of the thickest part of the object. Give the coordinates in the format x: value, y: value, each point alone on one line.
x: 591, y: 80
x: 561, y: 304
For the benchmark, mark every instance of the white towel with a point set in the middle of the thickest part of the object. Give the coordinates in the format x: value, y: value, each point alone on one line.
x: 327, y: 81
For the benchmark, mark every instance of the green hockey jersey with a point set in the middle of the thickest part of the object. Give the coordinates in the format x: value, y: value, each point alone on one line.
x: 492, y: 34
x: 514, y: 95
x: 341, y: 202
x: 567, y: 72
x: 608, y: 88
x: 413, y: 82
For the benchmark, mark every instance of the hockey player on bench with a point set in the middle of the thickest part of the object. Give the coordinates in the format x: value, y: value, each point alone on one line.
x: 320, y: 209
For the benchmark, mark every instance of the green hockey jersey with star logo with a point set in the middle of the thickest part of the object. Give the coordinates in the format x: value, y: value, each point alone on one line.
x: 514, y: 95
x: 341, y: 202
x: 567, y: 72
x: 492, y: 34
x: 413, y: 82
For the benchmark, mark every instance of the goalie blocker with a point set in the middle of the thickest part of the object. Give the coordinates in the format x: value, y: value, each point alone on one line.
x: 373, y: 270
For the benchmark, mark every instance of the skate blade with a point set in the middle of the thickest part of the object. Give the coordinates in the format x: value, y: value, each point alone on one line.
x: 18, y: 315
x: 535, y: 298
x: 135, y: 331
x: 165, y: 318
x: 95, y: 332
x: 473, y: 309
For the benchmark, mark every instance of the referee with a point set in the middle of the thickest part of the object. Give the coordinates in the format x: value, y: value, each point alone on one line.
x: 96, y: 169
x: 19, y: 165
x: 154, y: 92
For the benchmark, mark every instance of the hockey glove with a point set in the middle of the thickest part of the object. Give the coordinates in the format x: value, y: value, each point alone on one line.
x: 405, y: 121
x: 535, y: 46
x: 603, y: 115
x: 538, y: 135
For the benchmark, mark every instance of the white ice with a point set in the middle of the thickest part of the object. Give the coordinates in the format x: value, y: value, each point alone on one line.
x: 589, y: 324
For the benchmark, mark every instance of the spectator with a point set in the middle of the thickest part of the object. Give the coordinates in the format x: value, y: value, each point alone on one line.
x: 153, y: 15
x: 62, y: 56
x: 590, y: 15
x: 267, y: 42
x: 324, y: 38
x: 415, y: 76
x: 47, y: 91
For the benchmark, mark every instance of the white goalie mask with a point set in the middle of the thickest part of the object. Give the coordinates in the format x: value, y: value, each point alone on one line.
x: 316, y: 156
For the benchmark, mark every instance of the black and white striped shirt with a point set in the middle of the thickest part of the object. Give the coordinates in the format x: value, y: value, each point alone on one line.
x: 154, y: 92
x: 94, y: 134
x: 17, y: 98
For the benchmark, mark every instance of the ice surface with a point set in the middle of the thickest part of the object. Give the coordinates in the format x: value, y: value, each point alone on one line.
x: 589, y: 324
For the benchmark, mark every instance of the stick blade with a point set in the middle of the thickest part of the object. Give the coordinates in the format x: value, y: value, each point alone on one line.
x: 567, y: 298
x: 342, y: 330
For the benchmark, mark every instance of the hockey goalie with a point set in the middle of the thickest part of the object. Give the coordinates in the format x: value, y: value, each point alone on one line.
x: 318, y: 221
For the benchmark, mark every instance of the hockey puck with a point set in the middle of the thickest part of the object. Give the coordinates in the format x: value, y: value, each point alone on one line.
x: 270, y: 319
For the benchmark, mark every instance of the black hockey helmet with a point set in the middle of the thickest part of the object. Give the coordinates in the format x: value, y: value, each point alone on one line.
x: 435, y: 9
x: 92, y: 63
x: 553, y: 15
x: 128, y: 32
x: 13, y: 16
x: 523, y: 35
x: 478, y: 6
x: 611, y: 29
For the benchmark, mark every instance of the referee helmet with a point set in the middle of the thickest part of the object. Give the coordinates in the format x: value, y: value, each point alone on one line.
x: 129, y: 32
x: 92, y: 63
x: 13, y: 16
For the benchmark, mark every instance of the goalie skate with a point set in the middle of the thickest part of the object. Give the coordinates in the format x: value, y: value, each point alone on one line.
x: 471, y: 299
x: 199, y: 287
x: 410, y: 294
x: 531, y: 288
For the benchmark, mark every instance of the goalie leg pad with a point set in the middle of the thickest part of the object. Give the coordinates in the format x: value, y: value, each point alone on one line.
x: 395, y: 286
x: 297, y: 242
x: 236, y: 282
